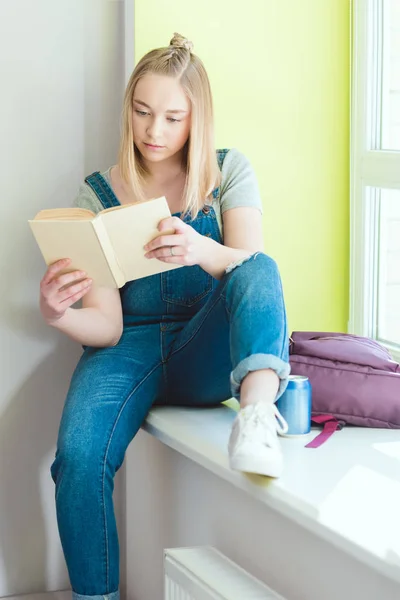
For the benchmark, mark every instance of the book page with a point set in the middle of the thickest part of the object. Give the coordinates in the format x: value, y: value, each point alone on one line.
x: 71, y: 214
x: 78, y: 241
x: 129, y: 229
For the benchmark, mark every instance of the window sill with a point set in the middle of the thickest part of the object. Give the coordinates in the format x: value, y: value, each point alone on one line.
x: 347, y: 491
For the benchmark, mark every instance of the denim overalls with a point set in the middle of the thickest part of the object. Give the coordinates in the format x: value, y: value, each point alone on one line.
x: 188, y: 339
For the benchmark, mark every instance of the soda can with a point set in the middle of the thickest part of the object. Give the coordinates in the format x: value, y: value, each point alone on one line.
x: 295, y: 405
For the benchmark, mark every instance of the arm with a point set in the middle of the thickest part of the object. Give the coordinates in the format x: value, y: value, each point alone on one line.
x: 242, y: 233
x: 97, y: 323
x: 241, y: 210
x: 242, y: 237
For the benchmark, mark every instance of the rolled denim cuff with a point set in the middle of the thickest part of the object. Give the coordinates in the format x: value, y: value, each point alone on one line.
x: 255, y: 362
x: 112, y: 596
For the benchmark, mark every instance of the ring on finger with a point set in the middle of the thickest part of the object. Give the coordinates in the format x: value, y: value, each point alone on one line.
x: 171, y: 249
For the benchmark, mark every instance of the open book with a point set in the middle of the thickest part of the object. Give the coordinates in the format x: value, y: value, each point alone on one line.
x: 108, y: 245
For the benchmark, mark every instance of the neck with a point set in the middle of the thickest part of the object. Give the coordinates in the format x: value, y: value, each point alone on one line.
x: 166, y: 170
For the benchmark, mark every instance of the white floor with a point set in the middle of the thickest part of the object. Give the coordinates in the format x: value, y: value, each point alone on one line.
x: 65, y: 595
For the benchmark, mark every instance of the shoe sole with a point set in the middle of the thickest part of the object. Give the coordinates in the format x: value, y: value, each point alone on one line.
x: 252, y: 465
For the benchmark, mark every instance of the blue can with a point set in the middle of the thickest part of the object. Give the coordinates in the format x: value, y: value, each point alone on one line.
x: 295, y: 405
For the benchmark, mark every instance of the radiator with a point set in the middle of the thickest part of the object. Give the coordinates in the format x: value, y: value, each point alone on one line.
x: 204, y: 573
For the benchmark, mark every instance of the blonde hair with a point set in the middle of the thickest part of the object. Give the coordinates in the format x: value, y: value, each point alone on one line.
x: 202, y: 172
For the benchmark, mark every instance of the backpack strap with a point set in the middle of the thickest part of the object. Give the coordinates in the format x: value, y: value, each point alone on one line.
x: 220, y: 158
x: 102, y: 190
x: 330, y: 424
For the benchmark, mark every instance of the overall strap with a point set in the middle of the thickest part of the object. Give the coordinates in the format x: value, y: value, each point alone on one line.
x: 102, y: 190
x: 220, y: 157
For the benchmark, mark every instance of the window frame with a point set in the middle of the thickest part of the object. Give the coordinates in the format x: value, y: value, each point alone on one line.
x: 370, y: 167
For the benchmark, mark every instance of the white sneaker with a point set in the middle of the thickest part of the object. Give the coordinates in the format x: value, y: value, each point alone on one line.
x: 253, y: 444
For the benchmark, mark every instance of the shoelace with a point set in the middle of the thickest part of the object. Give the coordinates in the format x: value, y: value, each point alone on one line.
x: 282, y: 424
x: 268, y: 417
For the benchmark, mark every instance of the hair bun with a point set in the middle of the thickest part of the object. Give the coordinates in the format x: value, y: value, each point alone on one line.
x: 178, y: 41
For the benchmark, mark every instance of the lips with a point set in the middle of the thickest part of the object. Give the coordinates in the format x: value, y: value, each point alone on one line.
x: 152, y: 145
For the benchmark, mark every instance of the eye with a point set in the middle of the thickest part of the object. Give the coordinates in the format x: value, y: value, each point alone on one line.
x: 141, y: 113
x: 172, y: 120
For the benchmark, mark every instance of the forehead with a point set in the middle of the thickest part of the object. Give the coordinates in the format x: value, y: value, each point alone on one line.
x: 161, y: 93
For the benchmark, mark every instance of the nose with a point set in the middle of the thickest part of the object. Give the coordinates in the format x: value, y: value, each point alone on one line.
x: 154, y: 129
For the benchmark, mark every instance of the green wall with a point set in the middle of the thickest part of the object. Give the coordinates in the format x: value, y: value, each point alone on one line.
x: 279, y: 70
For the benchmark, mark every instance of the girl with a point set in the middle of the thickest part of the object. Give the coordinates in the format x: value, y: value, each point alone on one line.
x: 191, y: 336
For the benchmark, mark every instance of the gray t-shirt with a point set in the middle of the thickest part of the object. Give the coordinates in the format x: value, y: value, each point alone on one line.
x: 239, y: 187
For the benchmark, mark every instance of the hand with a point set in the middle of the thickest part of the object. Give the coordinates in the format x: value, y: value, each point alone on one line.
x: 59, y: 292
x: 184, y: 247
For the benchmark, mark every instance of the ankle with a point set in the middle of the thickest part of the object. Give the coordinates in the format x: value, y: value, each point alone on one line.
x: 259, y: 386
x: 256, y: 400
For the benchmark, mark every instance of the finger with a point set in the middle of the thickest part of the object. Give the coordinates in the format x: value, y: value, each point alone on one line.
x: 172, y: 223
x: 53, y: 287
x: 73, y: 299
x: 67, y: 279
x: 177, y: 260
x: 55, y: 268
x: 165, y: 252
x: 165, y: 240
x: 74, y: 292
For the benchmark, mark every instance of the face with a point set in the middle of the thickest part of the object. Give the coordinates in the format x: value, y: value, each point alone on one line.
x: 161, y: 117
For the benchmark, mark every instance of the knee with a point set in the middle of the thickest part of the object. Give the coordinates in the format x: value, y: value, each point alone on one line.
x: 76, y: 460
x: 258, y: 266
x: 265, y: 263
x: 257, y: 278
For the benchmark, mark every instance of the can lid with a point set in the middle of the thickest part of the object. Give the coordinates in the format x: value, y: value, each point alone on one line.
x: 297, y: 378
x: 298, y: 382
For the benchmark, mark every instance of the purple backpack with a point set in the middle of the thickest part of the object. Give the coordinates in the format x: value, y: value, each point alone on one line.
x: 354, y: 380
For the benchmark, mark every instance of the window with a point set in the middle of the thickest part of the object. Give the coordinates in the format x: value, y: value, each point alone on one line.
x: 375, y: 173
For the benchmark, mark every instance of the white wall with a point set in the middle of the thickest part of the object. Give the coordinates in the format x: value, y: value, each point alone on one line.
x: 61, y: 87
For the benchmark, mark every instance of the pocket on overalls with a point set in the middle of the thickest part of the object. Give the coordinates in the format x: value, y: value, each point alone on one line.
x: 186, y: 286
